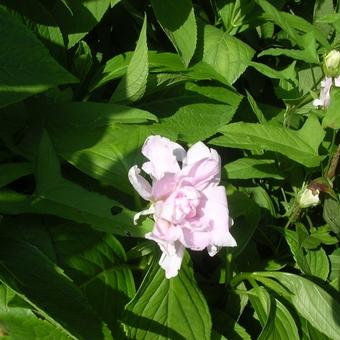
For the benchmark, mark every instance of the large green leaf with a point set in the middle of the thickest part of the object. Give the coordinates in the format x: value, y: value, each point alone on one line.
x: 76, y: 18
x: 21, y: 323
x: 10, y: 172
x: 228, y: 55
x: 80, y: 115
x: 133, y: 84
x: 245, y: 168
x: 195, y: 112
x: 311, y: 301
x: 47, y: 289
x: 291, y: 24
x: 26, y: 66
x: 311, y: 262
x: 301, y: 146
x: 246, y: 216
x: 168, y: 309
x: 177, y: 19
x: 95, y: 261
x: 334, y: 258
x: 102, y: 152
x: 97, y: 264
x: 332, y: 116
x: 274, y: 317
x: 309, y: 54
x: 66, y: 199
x: 57, y: 196
x: 39, y: 19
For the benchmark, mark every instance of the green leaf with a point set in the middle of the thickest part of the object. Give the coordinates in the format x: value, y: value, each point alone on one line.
x: 286, y: 74
x: 245, y: 168
x: 300, y: 146
x: 334, y: 258
x: 197, y: 111
x: 117, y: 66
x: 47, y: 289
x: 235, y: 14
x: 311, y: 262
x: 81, y: 115
x: 96, y: 262
x: 177, y: 18
x: 63, y: 198
x: 78, y: 18
x: 40, y: 20
x: 227, y: 326
x: 246, y: 216
x: 132, y: 86
x: 228, y: 55
x: 168, y: 309
x: 331, y: 214
x: 274, y: 317
x: 21, y: 323
x: 310, y: 300
x: 332, y: 116
x: 10, y: 172
x: 256, y: 109
x: 291, y: 24
x: 57, y: 196
x: 102, y: 152
x: 308, y: 55
x: 26, y: 67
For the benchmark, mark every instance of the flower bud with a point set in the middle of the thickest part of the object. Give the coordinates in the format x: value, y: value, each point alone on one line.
x: 308, y: 198
x: 331, y: 64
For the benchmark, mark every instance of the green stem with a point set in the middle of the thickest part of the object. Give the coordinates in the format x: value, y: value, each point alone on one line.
x: 238, y: 279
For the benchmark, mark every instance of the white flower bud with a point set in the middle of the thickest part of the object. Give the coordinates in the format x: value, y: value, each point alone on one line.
x: 332, y: 64
x: 309, y: 198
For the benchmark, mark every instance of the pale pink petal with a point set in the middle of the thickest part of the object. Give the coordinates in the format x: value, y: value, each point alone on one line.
x: 172, y: 263
x: 164, y: 233
x: 163, y: 155
x: 202, y: 174
x: 202, y: 166
x: 145, y: 212
x: 196, y: 240
x: 216, y: 209
x: 164, y: 187
x: 325, y: 97
x: 141, y: 185
x: 199, y: 151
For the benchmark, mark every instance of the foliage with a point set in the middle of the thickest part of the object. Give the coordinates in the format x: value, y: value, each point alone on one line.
x: 83, y: 83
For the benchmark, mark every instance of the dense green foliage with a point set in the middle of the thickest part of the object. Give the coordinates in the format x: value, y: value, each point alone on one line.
x: 83, y: 83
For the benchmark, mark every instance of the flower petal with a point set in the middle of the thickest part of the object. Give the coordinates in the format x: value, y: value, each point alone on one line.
x: 148, y: 211
x: 216, y: 209
x: 199, y: 151
x: 164, y: 187
x: 172, y: 263
x: 201, y: 167
x: 325, y: 97
x: 163, y: 155
x: 196, y: 240
x: 141, y: 185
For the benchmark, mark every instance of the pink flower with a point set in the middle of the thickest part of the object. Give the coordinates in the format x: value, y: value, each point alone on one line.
x: 189, y: 207
x: 325, y: 91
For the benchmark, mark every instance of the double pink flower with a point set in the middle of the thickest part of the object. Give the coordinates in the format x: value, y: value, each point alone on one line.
x: 189, y: 207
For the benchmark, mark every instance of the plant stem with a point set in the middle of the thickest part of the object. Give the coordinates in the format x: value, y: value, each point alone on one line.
x: 333, y: 164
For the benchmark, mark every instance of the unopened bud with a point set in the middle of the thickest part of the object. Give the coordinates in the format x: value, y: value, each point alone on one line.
x: 331, y: 64
x: 309, y: 198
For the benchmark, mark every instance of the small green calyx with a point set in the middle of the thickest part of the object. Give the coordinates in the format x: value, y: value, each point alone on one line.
x: 331, y: 64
